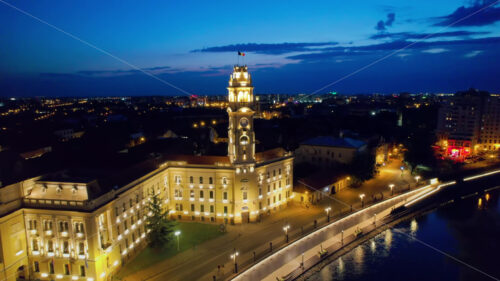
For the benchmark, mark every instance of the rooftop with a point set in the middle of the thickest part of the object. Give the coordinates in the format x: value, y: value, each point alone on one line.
x: 334, y: 142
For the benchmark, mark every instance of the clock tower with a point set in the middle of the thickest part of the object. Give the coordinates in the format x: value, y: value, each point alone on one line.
x: 241, y: 148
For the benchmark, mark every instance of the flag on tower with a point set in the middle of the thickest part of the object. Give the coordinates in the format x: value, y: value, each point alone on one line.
x: 241, y: 54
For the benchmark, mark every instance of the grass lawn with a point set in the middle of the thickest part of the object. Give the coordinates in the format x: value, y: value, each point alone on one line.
x: 192, y: 233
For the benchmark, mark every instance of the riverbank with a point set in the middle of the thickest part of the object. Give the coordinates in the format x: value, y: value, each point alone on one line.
x: 463, y: 190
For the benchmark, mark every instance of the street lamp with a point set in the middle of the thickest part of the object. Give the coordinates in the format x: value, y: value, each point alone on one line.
x: 177, y: 234
x: 391, y: 186
x: 285, y: 228
x: 362, y: 196
x: 327, y: 210
x: 233, y: 256
x: 417, y: 178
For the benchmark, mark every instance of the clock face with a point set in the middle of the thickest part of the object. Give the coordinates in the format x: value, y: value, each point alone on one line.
x: 244, y: 122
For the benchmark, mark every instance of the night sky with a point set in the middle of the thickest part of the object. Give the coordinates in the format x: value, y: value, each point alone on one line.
x: 290, y: 46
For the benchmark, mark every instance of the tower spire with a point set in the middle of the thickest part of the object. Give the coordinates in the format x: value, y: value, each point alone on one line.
x: 241, y: 147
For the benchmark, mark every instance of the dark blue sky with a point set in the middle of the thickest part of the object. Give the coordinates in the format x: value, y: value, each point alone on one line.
x: 291, y: 46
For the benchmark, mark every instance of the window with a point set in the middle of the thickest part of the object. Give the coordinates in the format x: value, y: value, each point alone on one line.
x: 32, y: 224
x: 211, y: 208
x: 191, y: 193
x: 50, y: 246
x: 35, y: 245
x: 125, y: 225
x: 274, y: 186
x: 131, y: 203
x: 202, y: 208
x: 260, y: 190
x: 274, y: 173
x: 245, y: 195
x: 118, y: 230
x: 81, y: 248
x: 210, y: 180
x: 47, y: 225
x: 178, y: 193
x: 178, y: 207
x: 201, y: 194
x: 82, y: 270
x: 268, y: 201
x: 211, y: 194
x: 279, y: 183
x: 224, y: 180
x: 137, y: 198
x: 51, y: 267
x: 192, y: 207
x: 191, y: 179
x: 66, y: 247
x: 201, y: 180
x: 279, y: 197
x: 36, y: 266
x: 66, y: 269
x: 124, y: 207
x: 224, y: 195
x: 177, y: 179
x: 279, y: 171
x: 225, y: 209
x: 274, y: 199
x: 268, y: 188
x: 116, y: 211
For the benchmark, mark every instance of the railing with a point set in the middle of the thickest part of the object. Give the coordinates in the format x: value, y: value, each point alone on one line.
x: 56, y: 203
x: 298, y: 232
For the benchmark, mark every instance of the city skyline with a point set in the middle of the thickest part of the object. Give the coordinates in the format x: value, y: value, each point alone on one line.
x: 293, y: 48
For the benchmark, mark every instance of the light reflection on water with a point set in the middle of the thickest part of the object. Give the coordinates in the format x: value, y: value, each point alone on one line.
x: 457, y: 229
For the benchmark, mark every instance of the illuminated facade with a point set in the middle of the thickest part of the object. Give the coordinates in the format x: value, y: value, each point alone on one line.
x: 69, y: 226
x: 468, y: 124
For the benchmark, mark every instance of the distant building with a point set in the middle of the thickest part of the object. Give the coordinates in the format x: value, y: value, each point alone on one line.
x: 468, y: 124
x: 326, y: 151
x: 85, y: 226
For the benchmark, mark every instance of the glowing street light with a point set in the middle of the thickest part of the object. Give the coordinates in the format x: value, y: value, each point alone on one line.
x: 327, y: 210
x: 233, y: 256
x: 391, y: 186
x: 417, y: 178
x: 177, y: 234
x: 362, y: 196
x: 285, y: 229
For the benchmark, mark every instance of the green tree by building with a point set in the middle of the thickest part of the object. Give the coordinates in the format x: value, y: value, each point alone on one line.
x: 159, y: 227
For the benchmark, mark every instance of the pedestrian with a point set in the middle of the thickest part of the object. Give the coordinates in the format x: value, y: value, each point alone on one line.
x: 213, y: 277
x: 218, y: 268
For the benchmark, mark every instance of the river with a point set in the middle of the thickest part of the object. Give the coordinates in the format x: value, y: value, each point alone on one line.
x: 468, y: 229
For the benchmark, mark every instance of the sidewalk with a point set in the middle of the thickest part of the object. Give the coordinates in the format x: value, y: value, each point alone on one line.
x: 201, y: 263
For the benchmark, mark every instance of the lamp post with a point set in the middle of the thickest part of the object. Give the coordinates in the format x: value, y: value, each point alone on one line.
x: 327, y: 210
x: 177, y: 234
x: 233, y: 256
x: 285, y: 228
x: 362, y: 196
x: 417, y: 178
x: 391, y: 186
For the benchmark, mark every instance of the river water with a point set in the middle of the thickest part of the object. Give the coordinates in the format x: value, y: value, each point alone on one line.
x: 467, y: 229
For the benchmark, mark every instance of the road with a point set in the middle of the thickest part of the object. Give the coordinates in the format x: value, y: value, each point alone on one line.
x: 201, y: 263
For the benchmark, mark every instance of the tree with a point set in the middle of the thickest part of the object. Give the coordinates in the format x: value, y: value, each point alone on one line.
x: 158, y: 225
x: 362, y: 167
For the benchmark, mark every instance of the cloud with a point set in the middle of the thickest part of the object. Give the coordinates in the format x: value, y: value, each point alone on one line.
x: 382, y: 25
x: 270, y: 49
x: 461, y: 16
x: 412, y: 35
x: 490, y: 43
x: 435, y: 50
x: 390, y: 19
x: 473, y: 54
